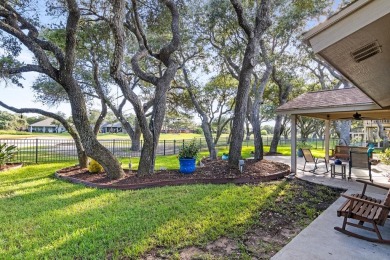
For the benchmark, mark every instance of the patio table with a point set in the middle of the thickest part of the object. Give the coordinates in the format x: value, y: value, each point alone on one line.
x: 333, y: 171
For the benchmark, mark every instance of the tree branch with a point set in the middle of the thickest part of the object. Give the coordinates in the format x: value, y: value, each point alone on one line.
x: 25, y: 68
x: 245, y: 25
x: 71, y: 41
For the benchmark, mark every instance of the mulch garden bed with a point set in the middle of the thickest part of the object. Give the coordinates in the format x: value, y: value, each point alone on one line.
x: 212, y: 171
x: 10, y: 166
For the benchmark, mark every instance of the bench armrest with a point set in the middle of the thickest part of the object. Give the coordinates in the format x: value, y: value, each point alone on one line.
x: 382, y: 186
x: 365, y: 201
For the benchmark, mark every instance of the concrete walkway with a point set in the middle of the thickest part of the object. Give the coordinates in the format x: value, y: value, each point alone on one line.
x: 319, y: 240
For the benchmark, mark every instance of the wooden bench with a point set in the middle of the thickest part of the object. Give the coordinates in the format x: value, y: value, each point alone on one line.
x: 342, y: 151
x: 363, y: 209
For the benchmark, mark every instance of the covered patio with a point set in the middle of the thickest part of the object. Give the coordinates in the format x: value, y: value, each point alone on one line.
x: 356, y: 42
x: 328, y: 105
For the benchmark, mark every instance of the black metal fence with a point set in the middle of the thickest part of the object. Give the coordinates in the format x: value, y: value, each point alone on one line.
x: 51, y: 150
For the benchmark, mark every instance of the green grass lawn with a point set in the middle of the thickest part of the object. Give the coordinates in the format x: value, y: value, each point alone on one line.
x: 45, y: 218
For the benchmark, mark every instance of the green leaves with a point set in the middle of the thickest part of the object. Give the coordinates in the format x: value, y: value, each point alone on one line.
x: 9, y: 121
x: 6, y: 153
x: 189, y: 151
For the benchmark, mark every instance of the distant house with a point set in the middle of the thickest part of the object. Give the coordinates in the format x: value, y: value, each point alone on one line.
x: 112, y: 128
x: 48, y: 125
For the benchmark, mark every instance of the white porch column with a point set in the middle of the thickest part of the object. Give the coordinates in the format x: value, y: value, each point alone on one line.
x: 327, y: 138
x: 293, y: 144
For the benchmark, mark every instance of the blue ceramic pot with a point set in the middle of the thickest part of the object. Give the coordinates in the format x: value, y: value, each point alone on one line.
x: 187, y: 166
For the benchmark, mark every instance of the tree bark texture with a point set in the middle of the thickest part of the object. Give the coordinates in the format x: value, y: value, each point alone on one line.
x: 248, y: 131
x: 343, y: 129
x: 206, y: 127
x: 382, y: 135
x: 276, y: 135
x: 93, y: 148
x: 133, y: 134
x: 151, y: 128
x: 284, y: 87
x: 249, y: 62
x: 65, y: 61
x: 258, y: 90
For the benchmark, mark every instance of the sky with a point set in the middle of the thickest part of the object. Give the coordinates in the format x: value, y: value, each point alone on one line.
x: 19, y: 97
x: 24, y: 97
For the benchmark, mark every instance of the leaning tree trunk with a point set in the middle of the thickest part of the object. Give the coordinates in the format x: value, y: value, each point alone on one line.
x: 258, y: 140
x: 100, y: 119
x: 248, y: 132
x: 343, y: 128
x: 255, y: 113
x: 209, y: 139
x: 207, y: 132
x: 81, y: 155
x: 149, y: 149
x: 242, y: 103
x: 136, y: 137
x: 249, y: 61
x: 383, y: 135
x: 276, y: 136
x: 146, y: 165
x: 93, y: 148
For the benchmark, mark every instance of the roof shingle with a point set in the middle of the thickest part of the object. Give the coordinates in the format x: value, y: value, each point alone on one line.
x: 327, y: 99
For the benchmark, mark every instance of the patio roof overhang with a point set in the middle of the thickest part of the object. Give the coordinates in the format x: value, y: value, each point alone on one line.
x: 335, y: 104
x: 356, y: 42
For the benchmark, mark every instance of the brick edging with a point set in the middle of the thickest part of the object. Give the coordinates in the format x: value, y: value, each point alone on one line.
x: 239, y: 180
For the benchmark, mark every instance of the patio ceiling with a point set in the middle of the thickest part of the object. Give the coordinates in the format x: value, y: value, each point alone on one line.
x: 335, y: 104
x: 356, y: 42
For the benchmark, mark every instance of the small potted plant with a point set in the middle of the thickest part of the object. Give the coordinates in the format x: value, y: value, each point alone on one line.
x: 187, y: 157
x: 225, y: 156
x: 301, y: 145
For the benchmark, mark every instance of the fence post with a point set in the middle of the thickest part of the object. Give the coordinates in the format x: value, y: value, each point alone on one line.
x: 164, y: 146
x: 174, y: 146
x: 36, y: 150
x: 113, y: 147
x: 183, y: 144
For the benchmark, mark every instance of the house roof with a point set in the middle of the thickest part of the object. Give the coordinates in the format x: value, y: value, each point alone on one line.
x: 48, y: 122
x: 334, y: 104
x: 356, y: 42
x: 328, y: 98
x: 116, y: 124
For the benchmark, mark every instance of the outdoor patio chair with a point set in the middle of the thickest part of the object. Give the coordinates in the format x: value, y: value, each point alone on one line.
x: 359, y: 160
x: 361, y: 209
x: 309, y: 158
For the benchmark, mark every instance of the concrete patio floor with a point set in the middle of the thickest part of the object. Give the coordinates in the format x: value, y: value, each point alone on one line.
x: 319, y: 240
